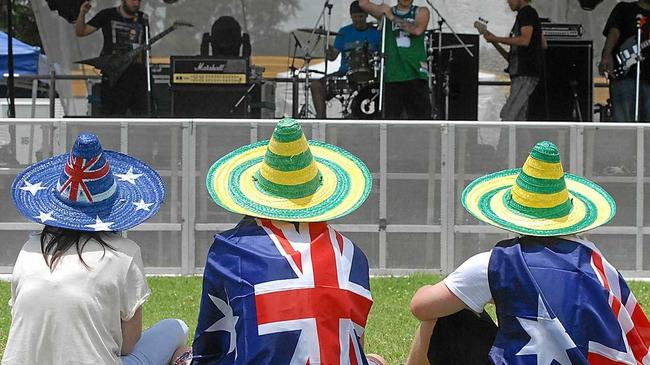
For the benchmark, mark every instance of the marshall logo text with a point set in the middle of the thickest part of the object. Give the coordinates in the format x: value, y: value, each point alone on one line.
x: 202, y: 66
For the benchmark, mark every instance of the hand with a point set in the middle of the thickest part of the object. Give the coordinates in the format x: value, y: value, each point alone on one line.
x: 489, y: 37
x: 389, y: 14
x: 85, y: 7
x: 605, y: 65
x: 331, y: 53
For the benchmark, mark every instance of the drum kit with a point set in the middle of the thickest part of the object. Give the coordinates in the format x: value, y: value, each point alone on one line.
x: 358, y: 89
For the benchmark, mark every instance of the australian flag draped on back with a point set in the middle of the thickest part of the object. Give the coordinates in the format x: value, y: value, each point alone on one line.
x: 275, y: 294
x: 560, y: 302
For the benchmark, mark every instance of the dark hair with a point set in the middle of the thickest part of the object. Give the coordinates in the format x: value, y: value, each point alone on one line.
x: 56, y: 241
x: 226, y: 37
x: 355, y: 7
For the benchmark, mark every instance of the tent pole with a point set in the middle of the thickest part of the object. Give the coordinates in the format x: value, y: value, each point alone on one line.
x: 10, y: 60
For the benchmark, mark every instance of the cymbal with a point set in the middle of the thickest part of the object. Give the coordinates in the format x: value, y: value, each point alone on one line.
x: 319, y: 31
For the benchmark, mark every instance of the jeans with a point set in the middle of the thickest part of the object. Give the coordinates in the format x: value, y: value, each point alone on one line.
x: 516, y: 106
x: 157, y: 344
x: 623, y: 94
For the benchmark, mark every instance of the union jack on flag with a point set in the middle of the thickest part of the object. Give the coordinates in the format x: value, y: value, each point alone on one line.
x: 84, y: 179
x: 276, y: 293
x: 560, y: 302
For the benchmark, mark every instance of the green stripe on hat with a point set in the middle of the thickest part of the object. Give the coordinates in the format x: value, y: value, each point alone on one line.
x: 287, y: 130
x: 546, y: 151
x: 540, y: 186
x: 547, y: 213
x: 285, y: 163
x: 288, y: 191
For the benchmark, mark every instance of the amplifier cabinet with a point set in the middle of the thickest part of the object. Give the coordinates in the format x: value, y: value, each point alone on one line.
x: 565, y: 89
x: 209, y: 87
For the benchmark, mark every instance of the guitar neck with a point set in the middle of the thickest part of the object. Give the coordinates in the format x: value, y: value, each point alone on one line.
x: 160, y: 35
x: 502, y: 51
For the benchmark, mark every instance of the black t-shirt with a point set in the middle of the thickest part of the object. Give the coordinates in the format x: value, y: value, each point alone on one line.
x: 526, y: 61
x: 121, y: 34
x: 623, y: 18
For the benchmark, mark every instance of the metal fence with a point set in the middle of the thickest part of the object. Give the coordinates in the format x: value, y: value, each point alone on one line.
x: 412, y: 221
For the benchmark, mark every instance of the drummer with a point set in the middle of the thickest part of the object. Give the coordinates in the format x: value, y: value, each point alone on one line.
x: 353, y: 37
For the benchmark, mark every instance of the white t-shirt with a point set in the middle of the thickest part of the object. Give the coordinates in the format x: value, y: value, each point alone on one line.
x: 469, y: 282
x: 73, y: 315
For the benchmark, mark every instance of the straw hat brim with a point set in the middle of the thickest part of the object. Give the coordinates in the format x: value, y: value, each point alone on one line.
x: 345, y: 185
x: 120, y: 214
x: 484, y: 199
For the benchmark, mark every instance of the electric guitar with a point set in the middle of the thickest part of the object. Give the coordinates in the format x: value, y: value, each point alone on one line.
x: 626, y: 57
x: 481, y: 26
x: 113, y: 66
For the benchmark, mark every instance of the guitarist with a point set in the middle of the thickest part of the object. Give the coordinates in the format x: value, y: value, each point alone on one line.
x: 620, y: 27
x: 123, y: 28
x: 525, y: 58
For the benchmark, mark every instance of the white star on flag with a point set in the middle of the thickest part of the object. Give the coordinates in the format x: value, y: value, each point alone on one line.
x: 129, y: 176
x: 99, y: 225
x: 33, y: 188
x: 141, y: 205
x: 227, y: 323
x: 44, y: 217
x: 548, y: 338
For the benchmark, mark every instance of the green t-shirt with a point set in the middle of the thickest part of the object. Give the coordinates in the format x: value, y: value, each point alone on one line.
x: 406, y: 56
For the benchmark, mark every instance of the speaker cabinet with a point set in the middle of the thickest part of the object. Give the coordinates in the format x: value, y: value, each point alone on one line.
x: 565, y: 89
x: 462, y: 71
x: 209, y: 101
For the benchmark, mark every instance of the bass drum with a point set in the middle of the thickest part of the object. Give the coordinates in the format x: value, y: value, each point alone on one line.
x: 365, y: 103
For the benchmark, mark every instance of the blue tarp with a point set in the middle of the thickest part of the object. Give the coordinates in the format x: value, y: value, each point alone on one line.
x: 25, y: 56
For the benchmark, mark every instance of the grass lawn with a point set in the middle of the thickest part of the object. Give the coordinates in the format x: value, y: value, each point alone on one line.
x: 390, y: 326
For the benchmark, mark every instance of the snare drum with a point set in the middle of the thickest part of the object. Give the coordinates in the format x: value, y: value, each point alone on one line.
x: 337, y: 87
x: 360, y: 69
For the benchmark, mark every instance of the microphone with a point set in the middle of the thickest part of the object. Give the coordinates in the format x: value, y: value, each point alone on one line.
x: 296, y: 38
x: 640, y: 20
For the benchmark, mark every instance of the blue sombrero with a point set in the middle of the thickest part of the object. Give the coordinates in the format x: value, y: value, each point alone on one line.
x: 89, y: 189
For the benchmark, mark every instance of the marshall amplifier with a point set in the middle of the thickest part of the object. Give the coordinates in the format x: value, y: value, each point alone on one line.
x: 209, y: 87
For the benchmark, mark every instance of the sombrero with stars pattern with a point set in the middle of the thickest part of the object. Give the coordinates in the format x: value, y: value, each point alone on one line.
x: 539, y: 199
x: 289, y: 178
x: 89, y: 189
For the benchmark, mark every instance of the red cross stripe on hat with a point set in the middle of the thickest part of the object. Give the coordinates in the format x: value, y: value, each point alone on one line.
x: 328, y: 309
x: 79, y: 173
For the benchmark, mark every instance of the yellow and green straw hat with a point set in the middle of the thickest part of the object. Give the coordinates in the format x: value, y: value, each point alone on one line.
x: 289, y: 178
x: 539, y: 199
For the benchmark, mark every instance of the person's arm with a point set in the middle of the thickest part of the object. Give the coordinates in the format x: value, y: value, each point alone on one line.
x: 376, y: 10
x: 421, y: 23
x: 607, y: 57
x: 131, y: 331
x: 431, y: 302
x: 522, y: 40
x: 81, y: 29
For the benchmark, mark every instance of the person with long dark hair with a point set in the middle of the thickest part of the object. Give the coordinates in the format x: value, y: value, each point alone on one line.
x: 78, y: 286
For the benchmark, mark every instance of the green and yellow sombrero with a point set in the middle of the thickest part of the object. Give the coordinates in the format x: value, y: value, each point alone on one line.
x: 289, y: 178
x: 539, y: 199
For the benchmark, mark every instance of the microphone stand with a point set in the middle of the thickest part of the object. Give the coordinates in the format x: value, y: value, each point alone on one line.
x: 439, y: 81
x: 148, y: 67
x: 382, y: 64
x: 443, y: 20
x: 639, y: 24
x: 294, y: 79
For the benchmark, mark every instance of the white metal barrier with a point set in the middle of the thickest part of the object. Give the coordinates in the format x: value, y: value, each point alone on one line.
x: 412, y: 221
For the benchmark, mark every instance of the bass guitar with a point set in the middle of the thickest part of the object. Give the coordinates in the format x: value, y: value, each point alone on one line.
x: 113, y: 66
x: 481, y: 26
x: 626, y: 57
